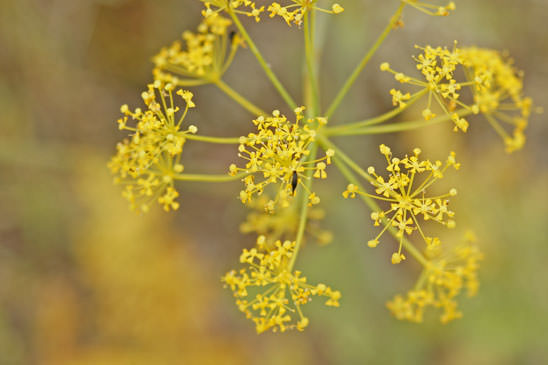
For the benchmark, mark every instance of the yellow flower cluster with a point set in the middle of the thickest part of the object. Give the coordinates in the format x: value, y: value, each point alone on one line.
x: 244, y: 7
x: 147, y: 162
x: 281, y: 159
x: 282, y: 224
x: 438, y: 66
x: 278, y: 292
x: 497, y: 89
x: 498, y: 93
x: 278, y: 154
x: 202, y: 58
x: 407, y: 197
x: 440, y: 283
x: 431, y: 9
x: 294, y: 13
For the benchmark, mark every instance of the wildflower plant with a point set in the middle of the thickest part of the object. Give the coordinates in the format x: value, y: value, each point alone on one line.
x: 282, y: 156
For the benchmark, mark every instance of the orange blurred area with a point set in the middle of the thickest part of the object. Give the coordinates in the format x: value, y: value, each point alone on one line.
x: 83, y: 280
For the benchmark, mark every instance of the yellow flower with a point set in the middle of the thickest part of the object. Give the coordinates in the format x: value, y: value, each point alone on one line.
x: 146, y: 163
x: 244, y: 7
x: 496, y: 86
x: 442, y: 280
x: 294, y: 13
x: 407, y: 197
x: 437, y: 66
x: 498, y: 92
x: 398, y: 98
x: 277, y: 292
x: 277, y: 155
x: 431, y: 9
x: 202, y: 58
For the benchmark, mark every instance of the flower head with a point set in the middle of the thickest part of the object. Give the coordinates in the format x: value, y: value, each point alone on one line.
x: 147, y: 162
x: 492, y: 81
x: 278, y: 155
x: 442, y: 280
x: 244, y: 7
x: 405, y: 193
x: 294, y: 12
x: 498, y: 93
x: 201, y: 57
x: 438, y: 66
x: 270, y: 293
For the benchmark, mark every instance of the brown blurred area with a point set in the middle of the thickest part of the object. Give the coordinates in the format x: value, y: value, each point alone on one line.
x: 85, y: 281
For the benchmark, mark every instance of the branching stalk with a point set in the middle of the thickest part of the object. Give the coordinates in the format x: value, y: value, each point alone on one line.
x: 395, y: 127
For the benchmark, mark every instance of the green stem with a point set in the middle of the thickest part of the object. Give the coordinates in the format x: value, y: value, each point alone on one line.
x: 218, y: 140
x: 350, y: 81
x: 311, y: 72
x: 378, y: 119
x: 304, y: 211
x: 374, y: 207
x: 326, y: 143
x: 283, y: 92
x: 420, y: 280
x: 238, y: 98
x: 208, y: 177
x: 396, y: 127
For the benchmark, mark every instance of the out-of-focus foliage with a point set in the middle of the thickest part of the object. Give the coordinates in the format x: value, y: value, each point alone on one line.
x: 85, y: 281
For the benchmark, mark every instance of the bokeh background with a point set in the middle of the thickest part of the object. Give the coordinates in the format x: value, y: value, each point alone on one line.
x: 85, y: 281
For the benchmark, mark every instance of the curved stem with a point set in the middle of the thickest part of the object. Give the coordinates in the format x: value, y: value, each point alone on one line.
x: 208, y: 177
x: 218, y: 140
x: 230, y: 58
x: 409, y: 247
x: 311, y: 72
x: 238, y: 98
x: 350, y: 81
x: 378, y: 119
x: 304, y: 211
x: 397, y: 127
x: 277, y: 84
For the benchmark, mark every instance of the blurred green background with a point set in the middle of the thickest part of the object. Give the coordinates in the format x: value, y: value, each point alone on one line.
x: 85, y: 281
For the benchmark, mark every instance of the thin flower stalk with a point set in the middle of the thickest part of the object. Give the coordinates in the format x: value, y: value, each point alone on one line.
x: 395, y: 127
x: 310, y: 64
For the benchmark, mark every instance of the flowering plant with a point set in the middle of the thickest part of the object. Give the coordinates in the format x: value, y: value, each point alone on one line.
x: 281, y: 157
